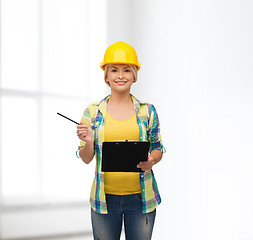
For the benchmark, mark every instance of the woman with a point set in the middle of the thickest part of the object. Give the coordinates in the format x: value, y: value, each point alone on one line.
x: 115, y: 197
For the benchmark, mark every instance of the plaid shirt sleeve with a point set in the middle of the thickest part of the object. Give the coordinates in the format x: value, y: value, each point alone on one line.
x: 154, y: 135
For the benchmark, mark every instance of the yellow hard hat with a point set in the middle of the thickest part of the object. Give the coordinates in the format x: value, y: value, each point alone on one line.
x: 120, y: 52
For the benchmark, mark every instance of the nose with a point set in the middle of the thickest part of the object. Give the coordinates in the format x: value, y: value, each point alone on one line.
x: 120, y: 76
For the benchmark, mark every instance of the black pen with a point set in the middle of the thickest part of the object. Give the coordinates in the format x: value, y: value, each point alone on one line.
x: 68, y: 119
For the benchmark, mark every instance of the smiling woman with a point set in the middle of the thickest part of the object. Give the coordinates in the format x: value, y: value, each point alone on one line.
x: 115, y: 197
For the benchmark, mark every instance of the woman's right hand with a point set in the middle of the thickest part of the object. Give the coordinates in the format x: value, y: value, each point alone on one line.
x: 85, y: 133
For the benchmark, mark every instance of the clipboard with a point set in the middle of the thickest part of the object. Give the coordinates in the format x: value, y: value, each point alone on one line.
x: 124, y: 156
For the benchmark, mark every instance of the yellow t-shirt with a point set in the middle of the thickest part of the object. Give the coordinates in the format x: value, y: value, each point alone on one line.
x: 121, y: 183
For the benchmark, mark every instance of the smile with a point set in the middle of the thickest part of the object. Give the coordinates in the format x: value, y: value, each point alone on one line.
x: 121, y: 82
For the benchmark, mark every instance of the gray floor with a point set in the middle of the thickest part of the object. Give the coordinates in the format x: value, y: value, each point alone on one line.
x: 83, y: 238
x: 78, y: 238
x: 86, y: 237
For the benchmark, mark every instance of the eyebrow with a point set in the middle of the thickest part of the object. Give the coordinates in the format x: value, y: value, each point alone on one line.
x: 118, y: 68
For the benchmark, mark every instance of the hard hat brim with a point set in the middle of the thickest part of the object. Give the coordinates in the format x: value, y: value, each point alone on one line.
x: 102, y: 65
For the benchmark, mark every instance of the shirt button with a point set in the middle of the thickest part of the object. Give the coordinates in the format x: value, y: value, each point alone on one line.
x: 143, y: 190
x: 142, y: 176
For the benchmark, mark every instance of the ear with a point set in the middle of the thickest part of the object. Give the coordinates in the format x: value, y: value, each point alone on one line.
x: 107, y: 82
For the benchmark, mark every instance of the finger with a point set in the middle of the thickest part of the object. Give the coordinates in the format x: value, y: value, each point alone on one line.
x: 146, y: 165
x: 83, y: 133
x: 83, y: 136
x: 142, y: 165
x: 81, y: 128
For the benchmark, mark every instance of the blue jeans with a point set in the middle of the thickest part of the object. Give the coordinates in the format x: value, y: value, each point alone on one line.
x: 127, y: 208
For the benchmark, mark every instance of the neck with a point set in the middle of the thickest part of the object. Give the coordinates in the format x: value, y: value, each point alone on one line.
x: 120, y: 98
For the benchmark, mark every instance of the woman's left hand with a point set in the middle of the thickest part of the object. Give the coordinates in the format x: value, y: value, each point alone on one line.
x: 146, y: 165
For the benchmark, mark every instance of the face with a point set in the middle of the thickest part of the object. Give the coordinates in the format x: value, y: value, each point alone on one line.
x: 120, y: 77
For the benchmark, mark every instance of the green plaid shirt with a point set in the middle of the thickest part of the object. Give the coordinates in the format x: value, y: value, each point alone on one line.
x: 148, y: 122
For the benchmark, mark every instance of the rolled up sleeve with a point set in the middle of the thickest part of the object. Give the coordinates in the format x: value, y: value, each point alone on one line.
x: 154, y: 135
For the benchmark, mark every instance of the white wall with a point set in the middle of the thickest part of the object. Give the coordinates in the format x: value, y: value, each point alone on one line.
x: 197, y: 59
x: 49, y: 60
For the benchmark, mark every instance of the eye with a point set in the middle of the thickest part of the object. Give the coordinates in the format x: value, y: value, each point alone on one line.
x: 127, y: 70
x: 114, y: 70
